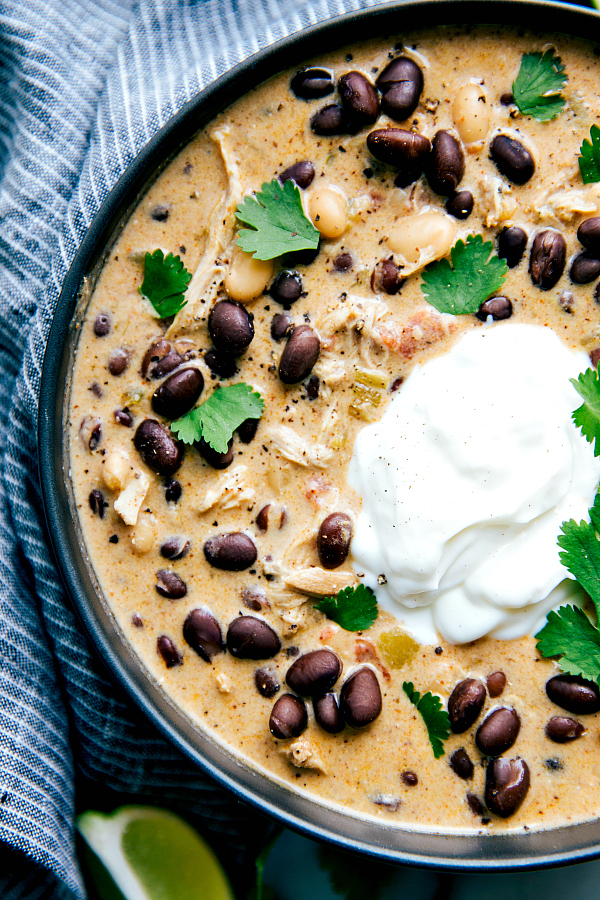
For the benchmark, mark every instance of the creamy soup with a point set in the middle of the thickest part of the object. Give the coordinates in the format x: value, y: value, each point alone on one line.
x: 213, y: 563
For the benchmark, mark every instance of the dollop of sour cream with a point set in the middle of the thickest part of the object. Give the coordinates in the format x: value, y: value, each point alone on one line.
x: 465, y: 482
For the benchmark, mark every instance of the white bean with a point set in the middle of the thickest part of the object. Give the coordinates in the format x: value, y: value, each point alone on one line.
x: 116, y: 470
x: 423, y: 238
x: 329, y: 211
x: 142, y: 539
x: 247, y: 277
x: 471, y: 113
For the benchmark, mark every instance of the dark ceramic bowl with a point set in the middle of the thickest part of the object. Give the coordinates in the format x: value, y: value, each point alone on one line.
x: 458, y: 852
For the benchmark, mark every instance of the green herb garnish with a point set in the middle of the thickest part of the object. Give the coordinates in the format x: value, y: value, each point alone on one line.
x: 568, y: 633
x: 433, y: 714
x: 216, y: 419
x: 587, y: 416
x: 537, y: 88
x: 278, y: 221
x: 354, y: 608
x: 475, y: 274
x: 165, y: 282
x: 589, y: 161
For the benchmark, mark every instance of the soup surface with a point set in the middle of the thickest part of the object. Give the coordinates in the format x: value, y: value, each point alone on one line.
x: 146, y: 519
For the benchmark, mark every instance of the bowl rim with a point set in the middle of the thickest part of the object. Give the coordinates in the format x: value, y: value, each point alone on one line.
x: 389, y: 843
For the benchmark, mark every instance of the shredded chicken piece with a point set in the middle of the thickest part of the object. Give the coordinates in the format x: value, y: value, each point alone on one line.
x: 303, y: 754
x: 298, y: 450
x: 360, y: 312
x: 366, y: 651
x: 230, y: 490
x: 208, y: 277
x: 294, y: 620
x: 129, y: 501
x: 566, y: 205
x: 318, y: 582
x: 224, y: 682
x: 499, y: 196
x: 424, y: 328
x: 319, y: 491
x: 330, y: 369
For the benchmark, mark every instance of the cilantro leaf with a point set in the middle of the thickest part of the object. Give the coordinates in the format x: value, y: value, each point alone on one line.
x: 165, y: 282
x: 581, y: 556
x: 216, y: 419
x: 587, y: 416
x: 537, y: 87
x: 589, y: 161
x: 475, y: 274
x: 354, y: 608
x: 570, y: 634
x: 437, y: 721
x: 279, y: 222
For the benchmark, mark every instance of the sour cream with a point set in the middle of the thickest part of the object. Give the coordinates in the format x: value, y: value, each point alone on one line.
x: 465, y: 482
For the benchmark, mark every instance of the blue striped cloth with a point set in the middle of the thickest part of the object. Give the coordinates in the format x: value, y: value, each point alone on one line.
x: 83, y: 85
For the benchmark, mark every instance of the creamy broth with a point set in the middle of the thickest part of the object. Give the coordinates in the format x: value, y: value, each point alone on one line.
x: 258, y: 137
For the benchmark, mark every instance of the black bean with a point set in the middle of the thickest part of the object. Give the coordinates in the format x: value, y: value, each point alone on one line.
x: 170, y: 585
x: 360, y: 698
x: 160, y: 359
x: 387, y: 277
x: 512, y: 159
x: 327, y: 714
x: 312, y: 387
x: 266, y: 683
x: 460, y: 763
x: 262, y: 519
x: 254, y: 597
x: 475, y: 804
x: 222, y: 365
x: 400, y: 83
x: 301, y: 257
x: 506, y: 784
x: 333, y: 540
x: 233, y: 551
x: 118, y: 361
x: 497, y: 307
x: 97, y: 502
x: 511, y: 245
x: 288, y: 718
x: 102, y: 325
x: 302, y: 173
x: 172, y: 491
x: 212, y: 457
x: 329, y: 120
x: 446, y: 164
x: 123, y: 417
x: 90, y: 432
x: 547, y: 260
x: 595, y: 354
x: 160, y: 213
x: 251, y: 638
x: 410, y: 779
x: 299, y: 356
x: 584, y: 268
x: 507, y: 99
x: 231, y: 328
x: 588, y: 234
x: 573, y: 693
x: 498, y: 731
x: 247, y: 430
x: 314, y: 673
x: 177, y: 395
x: 175, y: 548
x: 157, y: 448
x: 460, y: 205
x: 286, y: 288
x: 310, y: 84
x: 95, y: 389
x: 343, y: 262
x: 465, y: 703
x: 168, y: 651
x: 405, y: 150
x: 359, y: 99
x: 562, y: 729
x: 203, y: 634
x: 281, y: 325
x: 496, y: 682
x: 136, y: 621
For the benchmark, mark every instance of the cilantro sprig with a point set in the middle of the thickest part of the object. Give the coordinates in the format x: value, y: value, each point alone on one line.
x: 354, y: 608
x: 217, y: 418
x: 475, y: 274
x: 589, y: 161
x: 277, y: 222
x: 568, y: 633
x: 587, y: 416
x: 537, y: 88
x: 435, y: 717
x: 165, y: 282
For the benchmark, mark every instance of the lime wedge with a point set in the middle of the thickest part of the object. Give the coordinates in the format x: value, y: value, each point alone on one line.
x: 152, y: 854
